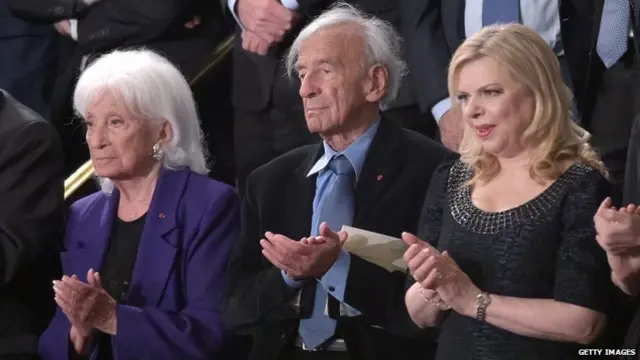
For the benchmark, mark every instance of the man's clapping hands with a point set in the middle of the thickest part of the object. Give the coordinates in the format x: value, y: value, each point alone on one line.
x: 307, y: 258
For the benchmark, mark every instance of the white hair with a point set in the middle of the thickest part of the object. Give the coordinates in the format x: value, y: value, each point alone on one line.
x: 382, y: 44
x: 152, y: 89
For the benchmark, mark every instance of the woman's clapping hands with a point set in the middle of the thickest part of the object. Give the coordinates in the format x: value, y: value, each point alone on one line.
x: 439, y: 274
x: 87, y: 306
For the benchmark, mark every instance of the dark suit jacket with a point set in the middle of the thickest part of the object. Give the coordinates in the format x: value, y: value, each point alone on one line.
x: 173, y: 307
x: 388, y: 199
x: 31, y: 219
x: 28, y: 60
x: 115, y: 23
x: 259, y: 79
x: 435, y: 28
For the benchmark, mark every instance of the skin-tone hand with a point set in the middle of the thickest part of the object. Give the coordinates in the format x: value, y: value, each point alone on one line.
x: 619, y: 235
x: 437, y: 271
x: 269, y: 18
x: 625, y: 271
x: 252, y: 42
x: 86, y: 304
x: 63, y: 27
x: 618, y: 229
x: 313, y: 240
x: 451, y: 129
x: 416, y: 257
x: 81, y: 339
x: 194, y: 22
x: 304, y: 259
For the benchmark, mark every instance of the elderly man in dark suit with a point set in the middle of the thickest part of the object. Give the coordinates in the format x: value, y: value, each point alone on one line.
x: 268, y: 113
x: 31, y: 220
x: 297, y: 290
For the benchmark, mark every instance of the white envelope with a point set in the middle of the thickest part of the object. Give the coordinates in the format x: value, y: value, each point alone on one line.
x: 382, y: 250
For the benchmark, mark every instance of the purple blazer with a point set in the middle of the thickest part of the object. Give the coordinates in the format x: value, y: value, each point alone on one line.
x: 174, y: 309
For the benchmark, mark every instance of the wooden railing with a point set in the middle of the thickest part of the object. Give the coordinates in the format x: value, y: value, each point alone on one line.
x: 85, y: 172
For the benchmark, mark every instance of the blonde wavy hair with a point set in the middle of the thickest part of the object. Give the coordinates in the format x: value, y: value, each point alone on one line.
x: 555, y: 139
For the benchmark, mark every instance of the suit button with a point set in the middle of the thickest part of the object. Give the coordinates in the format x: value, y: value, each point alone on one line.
x: 332, y: 289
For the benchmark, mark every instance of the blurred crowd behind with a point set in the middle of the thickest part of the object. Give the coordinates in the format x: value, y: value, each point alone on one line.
x: 252, y: 113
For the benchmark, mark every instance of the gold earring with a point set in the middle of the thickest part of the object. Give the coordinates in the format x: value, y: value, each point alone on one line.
x: 157, y: 152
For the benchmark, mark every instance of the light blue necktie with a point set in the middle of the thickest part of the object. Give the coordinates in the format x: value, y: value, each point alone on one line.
x: 500, y: 11
x: 614, y: 31
x: 336, y: 208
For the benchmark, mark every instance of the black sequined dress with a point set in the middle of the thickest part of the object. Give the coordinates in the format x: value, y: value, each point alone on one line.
x: 542, y: 249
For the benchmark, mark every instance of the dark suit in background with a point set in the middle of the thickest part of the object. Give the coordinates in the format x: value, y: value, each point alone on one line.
x: 606, y: 99
x: 632, y: 174
x: 28, y: 60
x: 155, y: 24
x: 388, y: 199
x: 268, y: 114
x: 31, y: 220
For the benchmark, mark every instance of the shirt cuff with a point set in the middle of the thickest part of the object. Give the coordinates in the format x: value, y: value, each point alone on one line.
x: 232, y: 8
x: 291, y: 282
x: 441, y: 108
x: 335, y: 280
x: 73, y: 29
x: 290, y: 4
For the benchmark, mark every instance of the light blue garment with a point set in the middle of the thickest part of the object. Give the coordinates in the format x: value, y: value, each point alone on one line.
x: 614, y: 31
x: 336, y: 208
x: 500, y: 12
x: 319, y: 327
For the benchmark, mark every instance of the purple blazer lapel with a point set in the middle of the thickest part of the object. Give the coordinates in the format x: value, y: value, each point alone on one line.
x: 159, y: 243
x: 96, y: 243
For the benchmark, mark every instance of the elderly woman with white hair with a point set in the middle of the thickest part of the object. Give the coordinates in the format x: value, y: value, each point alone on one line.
x: 145, y: 258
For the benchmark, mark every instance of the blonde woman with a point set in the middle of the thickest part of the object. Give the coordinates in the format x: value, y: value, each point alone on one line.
x: 509, y: 267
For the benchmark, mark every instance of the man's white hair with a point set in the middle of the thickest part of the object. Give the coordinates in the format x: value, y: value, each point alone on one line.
x: 382, y: 44
x: 152, y: 89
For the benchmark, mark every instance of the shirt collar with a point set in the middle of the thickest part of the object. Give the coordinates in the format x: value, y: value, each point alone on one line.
x: 356, y: 153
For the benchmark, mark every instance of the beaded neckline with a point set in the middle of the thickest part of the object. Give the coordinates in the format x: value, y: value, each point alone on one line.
x: 467, y: 214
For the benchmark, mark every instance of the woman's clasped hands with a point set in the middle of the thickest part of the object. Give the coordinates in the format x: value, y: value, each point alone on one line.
x: 87, y: 306
x: 618, y: 233
x: 443, y: 284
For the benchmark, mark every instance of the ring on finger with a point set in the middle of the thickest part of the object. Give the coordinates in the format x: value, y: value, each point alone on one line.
x: 439, y: 276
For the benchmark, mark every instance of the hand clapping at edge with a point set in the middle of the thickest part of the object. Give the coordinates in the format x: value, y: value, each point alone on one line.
x: 439, y: 272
